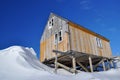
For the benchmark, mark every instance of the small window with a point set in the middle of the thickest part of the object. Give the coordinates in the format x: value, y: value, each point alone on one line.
x: 52, y: 20
x: 99, y: 43
x: 58, y: 37
x: 51, y: 23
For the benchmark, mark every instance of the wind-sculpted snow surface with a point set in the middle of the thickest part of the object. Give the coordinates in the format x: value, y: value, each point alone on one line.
x: 20, y: 63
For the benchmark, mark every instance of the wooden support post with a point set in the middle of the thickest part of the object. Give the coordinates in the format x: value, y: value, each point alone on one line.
x: 90, y: 62
x: 56, y: 66
x: 74, y: 63
x: 65, y: 67
x: 111, y: 63
x: 82, y: 66
x: 103, y: 64
x: 98, y: 63
x: 108, y: 64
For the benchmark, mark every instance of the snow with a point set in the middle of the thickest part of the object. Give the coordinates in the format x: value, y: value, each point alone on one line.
x: 117, y: 61
x: 20, y: 63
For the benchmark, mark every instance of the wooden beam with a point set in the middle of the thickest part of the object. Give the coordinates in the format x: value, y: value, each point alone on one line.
x: 108, y: 64
x: 103, y: 64
x: 99, y: 63
x: 63, y: 53
x: 90, y: 62
x: 74, y: 63
x: 56, y: 66
x: 66, y: 68
x: 82, y: 66
x: 111, y: 63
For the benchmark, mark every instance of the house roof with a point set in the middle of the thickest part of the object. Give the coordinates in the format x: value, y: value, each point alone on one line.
x: 81, y: 27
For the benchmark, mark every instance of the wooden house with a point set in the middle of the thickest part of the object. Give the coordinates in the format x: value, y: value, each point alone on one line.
x: 68, y: 44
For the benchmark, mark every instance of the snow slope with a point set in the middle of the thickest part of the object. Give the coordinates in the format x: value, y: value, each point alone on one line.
x: 20, y: 63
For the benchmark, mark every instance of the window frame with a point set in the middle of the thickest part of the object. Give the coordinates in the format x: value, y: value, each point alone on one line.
x: 50, y: 23
x: 99, y: 42
x: 58, y: 37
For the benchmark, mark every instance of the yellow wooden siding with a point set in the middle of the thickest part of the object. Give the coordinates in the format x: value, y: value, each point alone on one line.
x: 72, y: 36
x: 42, y: 51
x: 85, y: 42
x: 87, y: 30
x: 81, y: 40
x: 47, y: 46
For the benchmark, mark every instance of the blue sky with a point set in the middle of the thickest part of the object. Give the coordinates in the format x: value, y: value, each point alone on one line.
x: 22, y: 21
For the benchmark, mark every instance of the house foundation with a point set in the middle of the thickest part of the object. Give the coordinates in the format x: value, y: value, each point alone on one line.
x: 75, y: 62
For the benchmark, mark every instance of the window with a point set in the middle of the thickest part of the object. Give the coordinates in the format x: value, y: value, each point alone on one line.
x: 99, y: 43
x: 58, y: 37
x: 50, y: 23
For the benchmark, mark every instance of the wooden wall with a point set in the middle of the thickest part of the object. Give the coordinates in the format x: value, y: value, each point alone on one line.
x: 84, y: 41
x: 81, y: 39
x: 48, y: 45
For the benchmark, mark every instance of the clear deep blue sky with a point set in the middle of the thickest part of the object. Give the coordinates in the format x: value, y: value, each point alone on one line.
x: 22, y: 21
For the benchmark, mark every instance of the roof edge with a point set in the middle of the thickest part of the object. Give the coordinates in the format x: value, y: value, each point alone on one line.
x: 88, y: 30
x: 78, y: 25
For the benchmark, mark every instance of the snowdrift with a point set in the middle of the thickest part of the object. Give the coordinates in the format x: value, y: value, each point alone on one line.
x: 20, y: 63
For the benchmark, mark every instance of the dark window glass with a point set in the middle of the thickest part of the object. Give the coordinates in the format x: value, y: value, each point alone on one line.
x: 52, y: 22
x: 60, y: 33
x: 60, y: 36
x: 55, y: 36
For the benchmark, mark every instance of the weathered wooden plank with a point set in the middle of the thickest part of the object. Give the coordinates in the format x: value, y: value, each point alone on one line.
x: 56, y: 61
x: 74, y: 63
x: 82, y: 66
x: 108, y: 64
x: 90, y: 62
x: 81, y: 41
x: 111, y: 63
x: 103, y: 64
x: 42, y: 51
x: 92, y: 45
x: 77, y: 40
x: 98, y: 63
x: 67, y: 68
x: 87, y: 43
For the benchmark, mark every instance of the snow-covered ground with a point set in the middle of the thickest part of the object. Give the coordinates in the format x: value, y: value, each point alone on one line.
x: 117, y: 61
x: 20, y: 63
